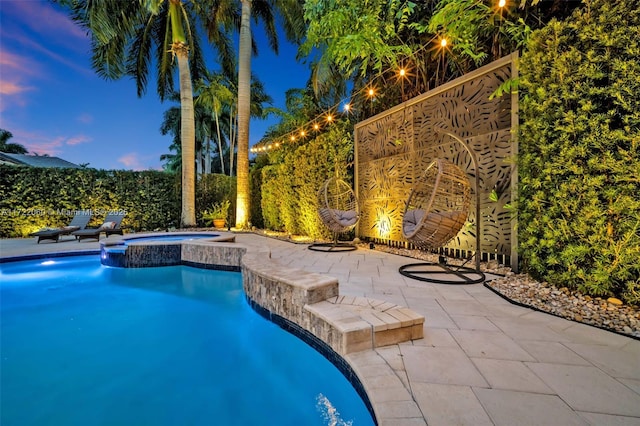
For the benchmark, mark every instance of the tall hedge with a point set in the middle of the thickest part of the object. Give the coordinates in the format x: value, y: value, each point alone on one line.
x: 290, y: 183
x: 32, y: 198
x: 580, y: 151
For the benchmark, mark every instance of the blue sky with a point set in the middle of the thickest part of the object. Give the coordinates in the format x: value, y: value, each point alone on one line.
x: 53, y: 102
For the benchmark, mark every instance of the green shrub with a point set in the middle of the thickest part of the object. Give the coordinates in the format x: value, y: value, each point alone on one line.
x: 579, y: 163
x: 32, y: 198
x: 215, y: 188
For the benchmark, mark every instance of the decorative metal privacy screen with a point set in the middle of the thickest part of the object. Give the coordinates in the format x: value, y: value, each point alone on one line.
x: 395, y: 147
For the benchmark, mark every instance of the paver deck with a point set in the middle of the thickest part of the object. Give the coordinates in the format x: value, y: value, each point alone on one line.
x: 482, y: 361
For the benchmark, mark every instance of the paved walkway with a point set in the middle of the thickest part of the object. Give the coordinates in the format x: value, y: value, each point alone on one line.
x: 483, y: 361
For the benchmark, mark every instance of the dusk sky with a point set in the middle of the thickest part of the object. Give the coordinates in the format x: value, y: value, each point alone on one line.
x: 54, y: 103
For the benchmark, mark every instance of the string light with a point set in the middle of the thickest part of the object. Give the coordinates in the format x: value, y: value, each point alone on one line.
x: 403, y: 73
x: 502, y: 3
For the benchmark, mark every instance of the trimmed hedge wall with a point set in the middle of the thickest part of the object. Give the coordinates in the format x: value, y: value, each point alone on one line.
x: 289, y: 187
x: 579, y: 165
x: 32, y: 198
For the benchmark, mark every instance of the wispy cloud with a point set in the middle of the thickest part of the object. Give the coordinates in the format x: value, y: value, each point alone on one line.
x: 17, y: 64
x: 42, y: 18
x: 13, y: 84
x: 39, y: 143
x: 77, y: 140
x: 132, y: 161
x: 27, y: 34
x: 85, y: 118
x: 8, y: 88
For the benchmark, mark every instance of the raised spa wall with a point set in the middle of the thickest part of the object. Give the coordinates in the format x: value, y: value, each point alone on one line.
x: 288, y: 296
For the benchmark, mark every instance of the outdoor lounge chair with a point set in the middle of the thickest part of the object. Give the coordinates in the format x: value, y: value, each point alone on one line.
x: 110, y: 226
x: 79, y: 221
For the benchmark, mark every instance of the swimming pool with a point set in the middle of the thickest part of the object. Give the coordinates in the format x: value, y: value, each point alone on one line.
x: 86, y: 344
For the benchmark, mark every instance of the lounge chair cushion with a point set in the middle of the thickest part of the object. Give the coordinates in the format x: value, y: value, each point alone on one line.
x: 411, y: 219
x: 346, y: 218
x: 108, y: 225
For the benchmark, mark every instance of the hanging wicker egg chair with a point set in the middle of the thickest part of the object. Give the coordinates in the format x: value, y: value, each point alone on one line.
x: 438, y: 205
x: 436, y: 211
x: 338, y: 210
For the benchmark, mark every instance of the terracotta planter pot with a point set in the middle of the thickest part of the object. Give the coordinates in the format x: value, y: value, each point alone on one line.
x: 218, y: 223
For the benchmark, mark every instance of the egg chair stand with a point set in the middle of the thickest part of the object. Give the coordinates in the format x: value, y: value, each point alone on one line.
x: 338, y: 211
x: 441, y: 273
x: 435, y: 212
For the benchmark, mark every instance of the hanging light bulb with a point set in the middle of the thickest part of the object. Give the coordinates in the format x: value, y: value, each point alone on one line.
x: 502, y: 3
x: 316, y: 126
x: 293, y: 138
x: 329, y: 118
x: 402, y: 72
x: 443, y: 42
x: 302, y: 133
x: 347, y: 107
x: 371, y: 92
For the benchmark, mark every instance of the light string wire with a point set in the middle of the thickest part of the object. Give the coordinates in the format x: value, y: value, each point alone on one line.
x: 329, y: 115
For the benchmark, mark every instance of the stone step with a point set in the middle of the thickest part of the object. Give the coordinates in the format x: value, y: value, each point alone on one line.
x: 364, y: 323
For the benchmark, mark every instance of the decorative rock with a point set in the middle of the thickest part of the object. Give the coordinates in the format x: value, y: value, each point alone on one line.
x: 614, y: 301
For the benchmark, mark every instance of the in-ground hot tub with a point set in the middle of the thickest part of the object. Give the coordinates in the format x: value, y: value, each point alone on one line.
x: 154, y: 249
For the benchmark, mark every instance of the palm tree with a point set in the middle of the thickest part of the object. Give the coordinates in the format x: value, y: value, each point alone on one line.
x: 123, y: 36
x: 292, y: 14
x: 215, y: 94
x: 259, y: 98
x: 8, y: 147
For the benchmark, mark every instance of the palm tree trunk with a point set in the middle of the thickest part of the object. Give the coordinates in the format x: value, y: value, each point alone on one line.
x: 188, y: 138
x: 233, y: 126
x: 244, y: 99
x: 219, y: 143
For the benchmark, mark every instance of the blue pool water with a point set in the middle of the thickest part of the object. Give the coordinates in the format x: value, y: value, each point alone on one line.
x: 84, y: 344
